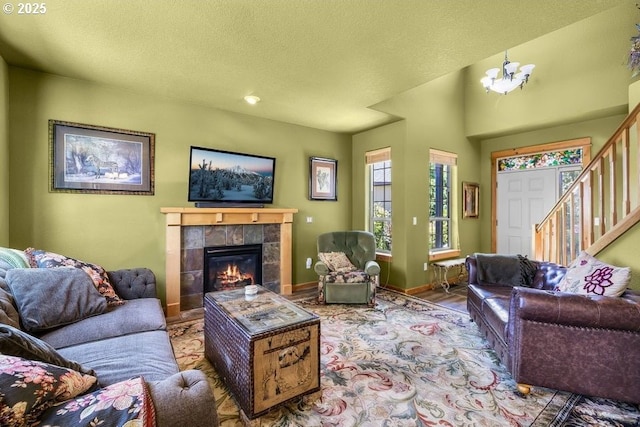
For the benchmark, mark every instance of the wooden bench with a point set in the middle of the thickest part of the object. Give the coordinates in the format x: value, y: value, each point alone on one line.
x: 443, y: 267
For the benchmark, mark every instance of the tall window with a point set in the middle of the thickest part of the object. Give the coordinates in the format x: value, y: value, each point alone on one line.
x: 379, y: 168
x: 441, y: 165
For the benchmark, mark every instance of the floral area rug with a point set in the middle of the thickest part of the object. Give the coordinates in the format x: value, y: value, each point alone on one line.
x: 406, y: 362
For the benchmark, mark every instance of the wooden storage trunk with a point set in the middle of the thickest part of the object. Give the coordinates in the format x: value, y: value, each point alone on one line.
x: 265, y: 348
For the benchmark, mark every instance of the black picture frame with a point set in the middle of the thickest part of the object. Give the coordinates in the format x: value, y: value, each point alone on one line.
x: 323, y: 179
x: 100, y: 160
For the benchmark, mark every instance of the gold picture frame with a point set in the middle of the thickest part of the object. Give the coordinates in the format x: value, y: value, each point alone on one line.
x: 470, y: 200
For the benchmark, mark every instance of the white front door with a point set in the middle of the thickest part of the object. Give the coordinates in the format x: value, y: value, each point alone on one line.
x: 523, y: 199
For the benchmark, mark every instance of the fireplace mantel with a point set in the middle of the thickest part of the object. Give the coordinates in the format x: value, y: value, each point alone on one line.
x: 183, y: 217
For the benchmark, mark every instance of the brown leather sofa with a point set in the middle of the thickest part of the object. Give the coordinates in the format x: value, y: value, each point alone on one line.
x: 588, y: 345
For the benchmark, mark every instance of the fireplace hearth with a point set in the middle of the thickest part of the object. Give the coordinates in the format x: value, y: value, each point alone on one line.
x: 230, y: 267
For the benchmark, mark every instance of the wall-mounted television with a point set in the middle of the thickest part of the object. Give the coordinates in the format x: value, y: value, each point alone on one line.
x: 224, y: 178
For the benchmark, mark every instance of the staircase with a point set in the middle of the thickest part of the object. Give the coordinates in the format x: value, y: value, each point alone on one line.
x: 601, y: 204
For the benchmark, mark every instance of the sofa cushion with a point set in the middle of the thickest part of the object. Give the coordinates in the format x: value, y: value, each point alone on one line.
x: 43, y: 259
x: 139, y: 315
x: 496, y: 314
x: 47, y: 298
x: 337, y: 261
x: 34, y: 387
x: 14, y: 258
x: 476, y: 294
x: 116, y: 359
x: 588, y: 276
x: 127, y: 403
x: 14, y: 342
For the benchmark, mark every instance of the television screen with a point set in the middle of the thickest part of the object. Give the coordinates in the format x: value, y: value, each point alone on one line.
x: 219, y: 177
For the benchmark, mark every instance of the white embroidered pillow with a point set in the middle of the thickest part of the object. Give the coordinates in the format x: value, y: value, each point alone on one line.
x: 337, y: 261
x: 588, y: 276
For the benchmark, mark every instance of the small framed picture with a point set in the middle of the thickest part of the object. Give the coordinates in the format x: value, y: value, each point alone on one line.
x: 470, y: 200
x: 323, y: 177
x: 100, y: 160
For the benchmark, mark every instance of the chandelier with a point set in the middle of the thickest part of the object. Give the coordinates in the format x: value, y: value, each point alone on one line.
x: 510, y: 79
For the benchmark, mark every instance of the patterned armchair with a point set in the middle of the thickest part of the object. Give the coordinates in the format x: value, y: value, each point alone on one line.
x: 346, y: 266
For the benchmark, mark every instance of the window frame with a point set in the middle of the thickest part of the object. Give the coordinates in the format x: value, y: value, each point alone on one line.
x: 448, y: 163
x: 374, y: 158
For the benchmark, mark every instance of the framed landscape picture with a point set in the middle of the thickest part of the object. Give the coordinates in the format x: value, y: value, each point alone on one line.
x: 96, y: 159
x: 323, y: 175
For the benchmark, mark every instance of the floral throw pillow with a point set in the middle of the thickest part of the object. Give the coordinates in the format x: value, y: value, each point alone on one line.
x: 127, y: 403
x: 588, y: 276
x: 43, y: 259
x: 28, y: 388
x: 337, y: 261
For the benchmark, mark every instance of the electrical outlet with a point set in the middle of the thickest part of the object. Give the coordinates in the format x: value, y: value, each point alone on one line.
x: 425, y: 266
x: 309, y: 219
x: 415, y: 221
x: 308, y: 263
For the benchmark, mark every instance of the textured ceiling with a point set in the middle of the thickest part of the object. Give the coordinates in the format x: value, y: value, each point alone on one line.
x: 317, y: 63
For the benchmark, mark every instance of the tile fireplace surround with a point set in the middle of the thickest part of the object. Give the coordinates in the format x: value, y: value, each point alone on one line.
x: 179, y: 218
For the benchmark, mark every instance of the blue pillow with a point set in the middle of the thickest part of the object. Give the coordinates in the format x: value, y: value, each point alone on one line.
x: 50, y: 297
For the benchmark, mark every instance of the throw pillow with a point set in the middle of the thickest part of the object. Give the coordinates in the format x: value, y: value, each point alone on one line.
x: 127, y: 403
x: 337, y: 261
x: 588, y: 276
x: 44, y: 259
x: 14, y: 342
x: 28, y: 388
x: 8, y: 313
x: 14, y: 257
x: 51, y: 297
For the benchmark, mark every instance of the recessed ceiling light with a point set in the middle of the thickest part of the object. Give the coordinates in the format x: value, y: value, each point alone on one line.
x: 252, y: 99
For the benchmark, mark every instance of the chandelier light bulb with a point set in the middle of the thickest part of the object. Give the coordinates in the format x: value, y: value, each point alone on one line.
x: 251, y: 99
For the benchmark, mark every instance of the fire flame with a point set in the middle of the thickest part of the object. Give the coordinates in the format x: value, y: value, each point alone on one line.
x: 232, y: 274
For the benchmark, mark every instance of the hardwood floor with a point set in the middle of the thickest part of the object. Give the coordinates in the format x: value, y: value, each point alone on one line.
x: 455, y: 299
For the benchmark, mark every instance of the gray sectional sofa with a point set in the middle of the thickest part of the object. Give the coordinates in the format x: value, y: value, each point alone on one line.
x: 125, y: 341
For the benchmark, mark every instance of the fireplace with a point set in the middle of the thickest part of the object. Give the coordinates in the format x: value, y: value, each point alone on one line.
x: 229, y: 267
x: 190, y: 230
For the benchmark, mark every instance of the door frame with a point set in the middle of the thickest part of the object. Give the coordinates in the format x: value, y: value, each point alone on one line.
x: 584, y: 143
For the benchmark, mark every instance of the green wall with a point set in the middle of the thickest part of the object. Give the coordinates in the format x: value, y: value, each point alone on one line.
x: 394, y: 136
x: 580, y: 74
x: 120, y: 231
x: 433, y: 116
x: 4, y: 153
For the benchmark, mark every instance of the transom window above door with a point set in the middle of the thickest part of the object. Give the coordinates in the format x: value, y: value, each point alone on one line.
x: 547, y: 159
